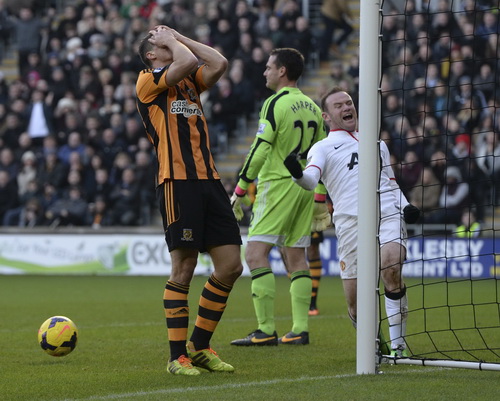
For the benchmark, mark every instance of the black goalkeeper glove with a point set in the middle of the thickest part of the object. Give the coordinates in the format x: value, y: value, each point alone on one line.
x: 411, y: 214
x: 293, y: 165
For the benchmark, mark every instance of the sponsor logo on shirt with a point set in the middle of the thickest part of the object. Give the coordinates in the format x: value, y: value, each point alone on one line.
x: 261, y: 129
x: 184, y: 108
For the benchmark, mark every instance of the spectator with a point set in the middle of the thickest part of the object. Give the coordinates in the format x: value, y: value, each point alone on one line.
x: 453, y: 199
x: 339, y: 77
x: 27, y: 173
x: 9, y: 163
x: 145, y: 174
x: 65, y: 23
x: 225, y: 107
x: 25, y: 143
x: 10, y: 132
x: 244, y: 51
x: 122, y: 160
x: 28, y: 32
x: 74, y: 145
x: 109, y: 146
x: 132, y: 133
x: 288, y: 11
x: 180, y: 19
x: 70, y: 210
x: 487, y: 155
x: 125, y: 199
x: 8, y: 193
x: 336, y: 14
x: 5, y: 28
x: 242, y: 89
x: 52, y: 170
x: 426, y: 194
x: 300, y: 38
x: 39, y: 113
x: 485, y: 81
x: 99, y: 214
x: 411, y: 170
x: 102, y: 187
x: 225, y: 37
x: 276, y: 33
x: 28, y: 215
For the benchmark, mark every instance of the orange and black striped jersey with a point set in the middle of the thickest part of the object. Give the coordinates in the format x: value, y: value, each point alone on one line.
x: 175, y: 125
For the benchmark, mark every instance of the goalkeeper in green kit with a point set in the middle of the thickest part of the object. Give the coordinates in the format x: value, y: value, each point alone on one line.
x: 289, y: 122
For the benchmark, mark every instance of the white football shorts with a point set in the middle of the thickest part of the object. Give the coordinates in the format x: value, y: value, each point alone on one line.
x: 392, y: 229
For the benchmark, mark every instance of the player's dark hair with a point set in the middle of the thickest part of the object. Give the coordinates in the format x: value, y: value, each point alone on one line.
x: 145, y: 47
x: 332, y: 91
x: 291, y: 59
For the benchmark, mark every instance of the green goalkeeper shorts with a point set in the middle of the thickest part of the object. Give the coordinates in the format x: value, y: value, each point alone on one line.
x: 282, y: 214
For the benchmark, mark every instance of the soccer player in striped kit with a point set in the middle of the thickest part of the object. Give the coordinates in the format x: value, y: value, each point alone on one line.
x: 197, y: 215
x: 334, y: 161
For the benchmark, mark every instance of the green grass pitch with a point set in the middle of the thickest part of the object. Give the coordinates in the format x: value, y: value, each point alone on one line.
x: 122, y: 349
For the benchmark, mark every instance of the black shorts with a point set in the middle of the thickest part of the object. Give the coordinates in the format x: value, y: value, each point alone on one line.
x: 197, y: 214
x: 316, y: 237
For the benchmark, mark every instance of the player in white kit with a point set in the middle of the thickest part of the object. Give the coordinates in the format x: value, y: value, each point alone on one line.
x: 334, y: 161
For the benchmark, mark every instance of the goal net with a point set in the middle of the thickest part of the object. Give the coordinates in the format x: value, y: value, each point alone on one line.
x: 440, y: 117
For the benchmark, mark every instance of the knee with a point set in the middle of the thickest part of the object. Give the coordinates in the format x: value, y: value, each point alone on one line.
x: 235, y: 271
x: 229, y: 273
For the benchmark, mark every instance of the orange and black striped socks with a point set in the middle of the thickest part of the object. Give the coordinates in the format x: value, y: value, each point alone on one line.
x: 315, y: 268
x: 213, y: 301
x: 175, y: 302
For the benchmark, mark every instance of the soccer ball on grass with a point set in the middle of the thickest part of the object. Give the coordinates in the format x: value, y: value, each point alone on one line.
x: 58, y: 336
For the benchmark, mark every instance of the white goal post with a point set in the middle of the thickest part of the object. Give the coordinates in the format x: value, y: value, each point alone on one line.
x: 369, y: 110
x: 368, y: 213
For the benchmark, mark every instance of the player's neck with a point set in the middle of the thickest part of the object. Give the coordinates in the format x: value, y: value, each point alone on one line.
x: 287, y: 84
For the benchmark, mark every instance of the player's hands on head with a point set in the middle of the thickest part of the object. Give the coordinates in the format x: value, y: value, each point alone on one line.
x: 292, y: 164
x: 411, y: 214
x: 161, y: 36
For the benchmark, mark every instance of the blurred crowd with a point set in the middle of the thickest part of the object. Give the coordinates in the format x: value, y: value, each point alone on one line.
x: 72, y: 147
x: 73, y: 150
x: 440, y: 98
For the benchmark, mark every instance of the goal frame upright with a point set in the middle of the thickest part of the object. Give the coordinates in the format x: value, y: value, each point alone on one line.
x: 368, y: 204
x: 369, y: 110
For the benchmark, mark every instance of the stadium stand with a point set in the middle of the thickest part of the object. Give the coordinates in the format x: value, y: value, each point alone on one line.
x: 78, y: 79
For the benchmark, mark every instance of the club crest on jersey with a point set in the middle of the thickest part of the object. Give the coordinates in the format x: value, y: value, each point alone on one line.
x: 192, y: 95
x: 342, y: 265
x: 261, y: 129
x: 187, y: 235
x: 184, y: 108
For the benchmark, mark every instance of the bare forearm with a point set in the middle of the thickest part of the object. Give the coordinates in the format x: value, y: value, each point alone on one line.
x: 208, y: 54
x: 216, y: 63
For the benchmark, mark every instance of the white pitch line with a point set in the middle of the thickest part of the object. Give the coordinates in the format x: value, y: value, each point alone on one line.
x: 161, y: 322
x: 192, y: 389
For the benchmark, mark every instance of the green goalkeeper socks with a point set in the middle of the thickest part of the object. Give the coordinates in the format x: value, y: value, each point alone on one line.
x: 300, y: 291
x: 263, y: 292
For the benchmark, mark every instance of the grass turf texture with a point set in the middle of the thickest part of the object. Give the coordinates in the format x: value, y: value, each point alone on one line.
x: 122, y: 349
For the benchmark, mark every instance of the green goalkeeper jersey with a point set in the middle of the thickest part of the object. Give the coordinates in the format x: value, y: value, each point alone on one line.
x: 289, y: 121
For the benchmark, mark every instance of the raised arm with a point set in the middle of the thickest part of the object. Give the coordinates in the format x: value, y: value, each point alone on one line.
x: 184, y: 62
x: 216, y: 63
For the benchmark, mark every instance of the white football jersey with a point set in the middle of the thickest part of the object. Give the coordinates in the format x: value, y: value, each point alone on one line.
x: 334, y: 161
